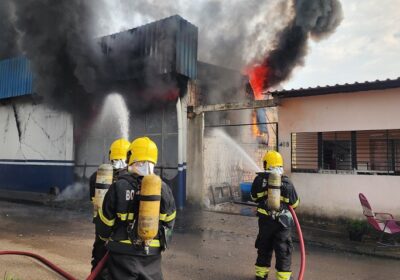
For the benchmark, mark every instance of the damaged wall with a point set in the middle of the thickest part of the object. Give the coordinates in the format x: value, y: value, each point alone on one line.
x: 37, y: 147
x: 231, y: 149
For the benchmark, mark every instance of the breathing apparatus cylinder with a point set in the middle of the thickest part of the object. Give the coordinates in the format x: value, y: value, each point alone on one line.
x: 274, y: 191
x: 104, y: 179
x: 149, y: 209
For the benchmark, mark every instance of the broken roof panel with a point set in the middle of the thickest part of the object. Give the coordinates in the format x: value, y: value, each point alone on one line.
x: 165, y: 46
x: 16, y: 78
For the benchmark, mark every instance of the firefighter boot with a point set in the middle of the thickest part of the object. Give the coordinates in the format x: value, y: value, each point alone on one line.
x: 262, y: 272
x: 283, y: 275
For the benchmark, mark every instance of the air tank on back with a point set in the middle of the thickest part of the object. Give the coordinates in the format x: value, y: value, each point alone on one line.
x: 104, y: 179
x: 149, y: 209
x: 274, y: 191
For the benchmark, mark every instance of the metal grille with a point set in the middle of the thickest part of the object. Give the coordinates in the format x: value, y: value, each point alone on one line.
x: 378, y: 151
x: 355, y: 152
x: 233, y: 150
x: 305, y: 152
x: 335, y: 151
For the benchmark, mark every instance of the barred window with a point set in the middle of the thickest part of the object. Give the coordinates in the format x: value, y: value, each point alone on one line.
x: 357, y: 152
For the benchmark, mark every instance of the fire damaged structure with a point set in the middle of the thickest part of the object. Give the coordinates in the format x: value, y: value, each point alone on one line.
x: 152, y: 66
x: 155, y: 69
x: 37, y: 141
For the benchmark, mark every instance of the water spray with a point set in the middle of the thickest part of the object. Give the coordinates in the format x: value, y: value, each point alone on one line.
x: 114, y: 108
x: 239, y: 153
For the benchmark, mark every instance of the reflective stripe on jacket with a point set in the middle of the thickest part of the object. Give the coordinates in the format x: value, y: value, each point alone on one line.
x: 259, y: 193
x: 120, y: 210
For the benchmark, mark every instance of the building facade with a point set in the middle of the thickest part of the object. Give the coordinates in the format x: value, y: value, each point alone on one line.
x: 36, y: 141
x: 151, y: 66
x: 340, y: 141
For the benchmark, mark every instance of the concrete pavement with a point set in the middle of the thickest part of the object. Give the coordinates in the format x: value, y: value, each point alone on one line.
x: 206, y: 245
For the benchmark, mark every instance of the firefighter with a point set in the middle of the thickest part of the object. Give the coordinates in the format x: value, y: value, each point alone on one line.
x: 117, y: 157
x: 275, y: 225
x: 119, y: 215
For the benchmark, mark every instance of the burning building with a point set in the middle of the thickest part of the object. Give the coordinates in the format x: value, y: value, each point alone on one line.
x: 150, y: 67
x: 37, y: 141
x: 155, y: 70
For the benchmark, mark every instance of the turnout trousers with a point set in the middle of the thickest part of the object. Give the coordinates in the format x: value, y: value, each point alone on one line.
x: 129, y: 267
x: 98, y: 252
x: 272, y: 236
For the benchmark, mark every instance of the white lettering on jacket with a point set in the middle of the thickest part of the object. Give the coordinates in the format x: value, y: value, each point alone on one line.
x: 130, y: 194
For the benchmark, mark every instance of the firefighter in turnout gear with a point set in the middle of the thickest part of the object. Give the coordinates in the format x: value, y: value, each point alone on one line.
x: 117, y: 157
x: 121, y: 217
x: 274, y: 192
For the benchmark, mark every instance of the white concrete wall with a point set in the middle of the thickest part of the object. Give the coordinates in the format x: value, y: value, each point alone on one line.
x: 334, y: 194
x: 220, y: 165
x: 35, y: 132
x: 230, y: 159
x: 337, y: 194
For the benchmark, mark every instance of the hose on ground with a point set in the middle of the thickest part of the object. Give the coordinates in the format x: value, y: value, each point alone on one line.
x: 57, y: 269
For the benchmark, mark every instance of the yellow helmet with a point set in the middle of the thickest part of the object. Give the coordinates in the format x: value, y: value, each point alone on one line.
x: 142, y: 149
x: 272, y: 159
x: 118, y: 149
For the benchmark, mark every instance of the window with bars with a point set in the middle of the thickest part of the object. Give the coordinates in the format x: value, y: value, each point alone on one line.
x: 357, y: 152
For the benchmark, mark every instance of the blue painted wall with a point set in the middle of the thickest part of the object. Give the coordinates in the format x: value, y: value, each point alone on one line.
x: 35, y: 176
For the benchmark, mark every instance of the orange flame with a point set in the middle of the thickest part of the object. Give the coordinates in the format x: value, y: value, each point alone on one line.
x: 254, y: 128
x: 257, y: 75
x: 257, y: 79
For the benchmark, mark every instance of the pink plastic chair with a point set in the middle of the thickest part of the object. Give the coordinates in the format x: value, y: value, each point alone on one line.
x: 382, y: 222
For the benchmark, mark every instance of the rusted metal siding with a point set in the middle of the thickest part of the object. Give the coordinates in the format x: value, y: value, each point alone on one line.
x: 186, y: 49
x: 165, y: 46
x: 16, y: 78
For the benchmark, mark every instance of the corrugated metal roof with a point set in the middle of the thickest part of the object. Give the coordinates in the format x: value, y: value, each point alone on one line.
x: 344, y: 88
x: 16, y: 78
x: 167, y: 46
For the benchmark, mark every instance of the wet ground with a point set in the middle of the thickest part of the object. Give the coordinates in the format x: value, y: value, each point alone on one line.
x: 206, y: 245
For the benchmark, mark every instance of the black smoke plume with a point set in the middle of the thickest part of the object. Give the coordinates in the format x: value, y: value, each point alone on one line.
x: 72, y: 69
x: 312, y: 19
x: 55, y: 37
x: 8, y: 33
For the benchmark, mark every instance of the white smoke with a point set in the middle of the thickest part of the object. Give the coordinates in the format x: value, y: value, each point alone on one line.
x: 231, y: 33
x: 76, y: 191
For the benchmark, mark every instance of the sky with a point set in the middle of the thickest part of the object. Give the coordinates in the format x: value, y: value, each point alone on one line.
x: 365, y: 47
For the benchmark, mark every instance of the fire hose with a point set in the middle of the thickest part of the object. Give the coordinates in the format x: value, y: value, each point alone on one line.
x: 301, y: 242
x: 57, y: 269
x: 299, y: 233
x: 101, y: 264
